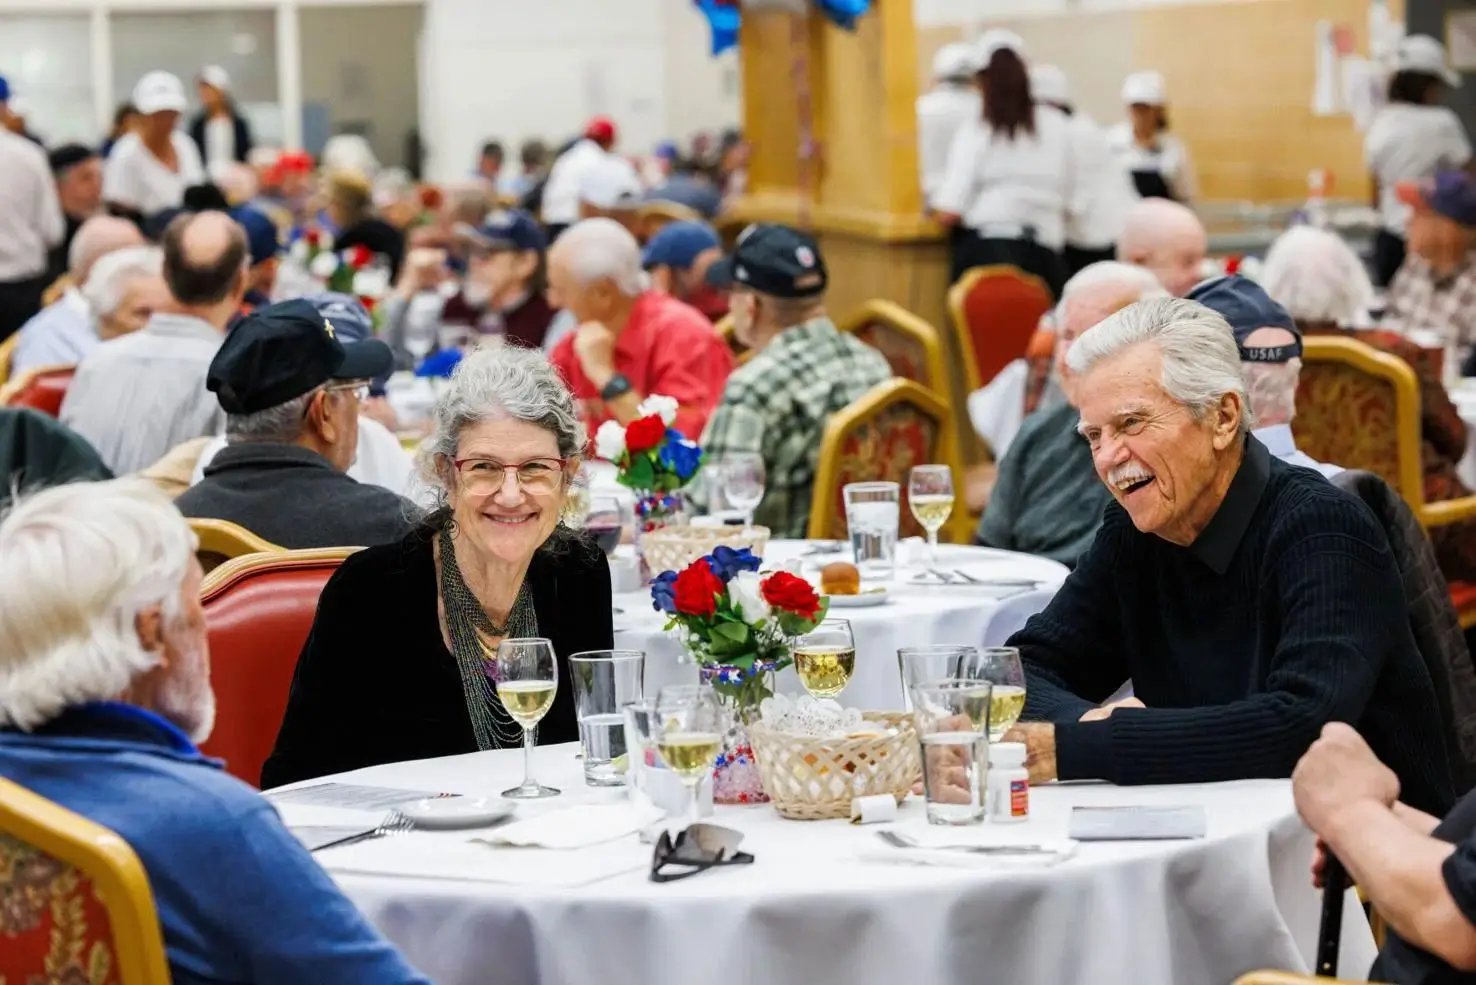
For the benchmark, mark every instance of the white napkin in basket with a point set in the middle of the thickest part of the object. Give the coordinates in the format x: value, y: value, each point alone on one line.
x: 577, y: 827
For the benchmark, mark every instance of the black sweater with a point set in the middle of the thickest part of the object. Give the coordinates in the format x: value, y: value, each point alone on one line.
x: 375, y: 683
x: 1286, y: 613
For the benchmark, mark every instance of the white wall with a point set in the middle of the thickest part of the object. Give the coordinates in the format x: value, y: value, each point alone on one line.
x: 517, y: 69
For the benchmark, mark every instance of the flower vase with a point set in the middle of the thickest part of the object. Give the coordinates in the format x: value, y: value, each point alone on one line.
x: 655, y: 511
x: 735, y: 778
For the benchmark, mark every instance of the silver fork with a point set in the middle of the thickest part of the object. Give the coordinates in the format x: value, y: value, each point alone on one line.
x: 394, y: 823
x: 898, y: 840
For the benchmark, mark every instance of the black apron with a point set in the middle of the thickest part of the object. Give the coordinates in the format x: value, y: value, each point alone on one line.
x: 1151, y: 184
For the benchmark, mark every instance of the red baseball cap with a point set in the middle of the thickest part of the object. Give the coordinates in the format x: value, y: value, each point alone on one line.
x: 600, y: 129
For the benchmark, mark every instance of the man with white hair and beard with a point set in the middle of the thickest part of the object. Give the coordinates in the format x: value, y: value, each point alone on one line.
x: 1047, y: 499
x: 1250, y: 602
x: 104, y: 691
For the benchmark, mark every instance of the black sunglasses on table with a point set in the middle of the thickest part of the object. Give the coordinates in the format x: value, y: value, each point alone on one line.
x: 696, y: 849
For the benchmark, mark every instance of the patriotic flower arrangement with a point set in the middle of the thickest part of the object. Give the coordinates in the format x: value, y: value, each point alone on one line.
x: 653, y: 458
x: 738, y: 624
x: 351, y: 271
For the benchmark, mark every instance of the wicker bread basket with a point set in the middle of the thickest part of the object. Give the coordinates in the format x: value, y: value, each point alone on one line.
x: 810, y: 779
x: 673, y: 548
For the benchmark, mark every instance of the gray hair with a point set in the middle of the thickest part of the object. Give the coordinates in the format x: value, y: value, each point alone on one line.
x: 603, y: 249
x: 78, y: 563
x: 1201, y: 362
x: 1272, y: 388
x: 499, y: 382
x: 280, y: 425
x: 111, y: 276
x: 1315, y: 275
x: 1094, y: 278
x: 95, y: 239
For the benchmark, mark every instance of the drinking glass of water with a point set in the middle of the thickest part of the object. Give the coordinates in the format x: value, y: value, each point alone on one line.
x: 930, y: 494
x: 952, y: 719
x: 936, y: 662
x: 873, y: 513
x: 605, y: 681
x: 527, y: 679
x: 1000, y: 666
x: 743, y: 481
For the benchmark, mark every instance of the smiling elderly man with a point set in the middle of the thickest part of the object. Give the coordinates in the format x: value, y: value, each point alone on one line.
x: 1250, y: 601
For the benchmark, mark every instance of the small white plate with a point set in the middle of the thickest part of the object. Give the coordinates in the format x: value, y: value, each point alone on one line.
x: 868, y: 598
x: 451, y: 813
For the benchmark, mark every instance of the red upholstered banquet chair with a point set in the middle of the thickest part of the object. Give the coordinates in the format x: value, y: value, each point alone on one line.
x: 1360, y: 408
x: 76, y: 902
x: 258, y: 612
x: 995, y: 309
x: 911, y: 346
x: 43, y: 389
x: 879, y: 438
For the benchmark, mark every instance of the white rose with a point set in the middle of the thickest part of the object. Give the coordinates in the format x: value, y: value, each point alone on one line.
x: 324, y: 265
x: 665, y: 407
x: 371, y: 283
x: 299, y: 251
x: 748, y: 598
x: 610, y: 441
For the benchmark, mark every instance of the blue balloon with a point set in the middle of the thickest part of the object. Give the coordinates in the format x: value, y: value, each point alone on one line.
x: 723, y: 20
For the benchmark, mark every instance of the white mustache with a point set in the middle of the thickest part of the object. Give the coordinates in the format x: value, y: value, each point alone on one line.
x: 1127, y: 472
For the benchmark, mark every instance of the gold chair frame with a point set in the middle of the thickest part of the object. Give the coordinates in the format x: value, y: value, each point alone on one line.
x: 230, y: 540
x: 874, y: 402
x: 238, y: 569
x: 7, y: 350
x: 956, y: 296
x: 908, y: 324
x: 117, y: 875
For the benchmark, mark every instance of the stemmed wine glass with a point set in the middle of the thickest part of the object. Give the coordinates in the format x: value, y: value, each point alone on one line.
x: 743, y: 479
x: 688, y: 729
x: 1000, y: 666
x: 527, y: 680
x: 825, y: 658
x: 930, y: 494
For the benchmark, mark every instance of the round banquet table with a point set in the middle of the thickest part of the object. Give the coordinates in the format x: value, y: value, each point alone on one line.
x: 811, y: 910
x: 1463, y: 395
x: 913, y: 615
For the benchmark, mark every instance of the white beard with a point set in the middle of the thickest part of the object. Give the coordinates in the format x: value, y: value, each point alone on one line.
x: 189, y: 703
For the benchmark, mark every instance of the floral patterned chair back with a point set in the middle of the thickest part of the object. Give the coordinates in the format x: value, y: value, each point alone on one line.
x: 1360, y: 408
x: 75, y: 903
x: 995, y: 309
x: 911, y: 346
x: 43, y: 389
x: 879, y: 438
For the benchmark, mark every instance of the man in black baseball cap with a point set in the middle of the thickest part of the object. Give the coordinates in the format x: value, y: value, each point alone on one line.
x: 1270, y: 347
x: 291, y: 390
x: 802, y: 371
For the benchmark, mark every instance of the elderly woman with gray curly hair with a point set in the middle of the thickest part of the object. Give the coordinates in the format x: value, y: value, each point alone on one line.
x: 395, y: 668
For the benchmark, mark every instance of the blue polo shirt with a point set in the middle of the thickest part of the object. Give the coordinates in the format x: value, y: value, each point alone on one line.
x: 240, y: 900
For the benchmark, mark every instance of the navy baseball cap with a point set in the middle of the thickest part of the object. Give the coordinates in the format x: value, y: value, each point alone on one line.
x: 678, y: 244
x: 507, y: 229
x: 282, y: 351
x: 1450, y: 193
x: 775, y: 260
x: 263, y: 237
x: 1247, y: 307
x: 350, y: 319
x: 4, y: 89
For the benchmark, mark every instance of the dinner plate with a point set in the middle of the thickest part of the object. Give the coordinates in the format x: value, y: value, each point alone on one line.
x: 450, y: 813
x: 867, y: 598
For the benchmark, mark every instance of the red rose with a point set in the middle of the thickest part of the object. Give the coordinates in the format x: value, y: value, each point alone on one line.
x: 313, y: 237
x: 644, y: 434
x: 359, y: 257
x: 368, y: 303
x: 791, y: 593
x: 696, y: 590
x: 430, y: 197
x: 1232, y: 265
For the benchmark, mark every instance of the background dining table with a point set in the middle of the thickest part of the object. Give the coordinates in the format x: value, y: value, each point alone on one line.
x: 823, y: 902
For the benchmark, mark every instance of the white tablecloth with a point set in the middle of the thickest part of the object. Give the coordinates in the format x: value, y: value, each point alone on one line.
x: 810, y: 912
x: 914, y: 615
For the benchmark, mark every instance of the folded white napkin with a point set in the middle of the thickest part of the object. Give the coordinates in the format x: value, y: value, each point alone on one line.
x: 944, y: 858
x: 577, y: 827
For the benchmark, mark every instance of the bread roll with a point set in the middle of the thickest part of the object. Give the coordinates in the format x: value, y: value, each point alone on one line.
x: 840, y: 578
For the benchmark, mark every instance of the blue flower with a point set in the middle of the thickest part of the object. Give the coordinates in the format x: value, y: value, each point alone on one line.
x: 726, y: 562
x: 680, y: 455
x: 663, y: 593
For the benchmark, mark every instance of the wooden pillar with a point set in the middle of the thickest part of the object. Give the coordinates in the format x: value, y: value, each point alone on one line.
x: 832, y: 119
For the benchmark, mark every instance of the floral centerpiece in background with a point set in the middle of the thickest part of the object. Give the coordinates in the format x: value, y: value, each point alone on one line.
x: 356, y: 270
x: 740, y: 626
x: 655, y: 461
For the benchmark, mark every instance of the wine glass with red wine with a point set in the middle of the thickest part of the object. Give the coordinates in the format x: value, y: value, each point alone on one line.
x: 606, y: 521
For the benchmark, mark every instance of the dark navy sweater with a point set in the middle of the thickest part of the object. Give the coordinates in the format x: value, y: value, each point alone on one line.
x: 1287, y: 612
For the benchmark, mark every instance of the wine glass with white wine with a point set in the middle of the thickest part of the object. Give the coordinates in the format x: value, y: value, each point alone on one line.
x: 825, y: 658
x: 1000, y: 666
x: 930, y: 494
x: 527, y: 680
x: 688, y: 729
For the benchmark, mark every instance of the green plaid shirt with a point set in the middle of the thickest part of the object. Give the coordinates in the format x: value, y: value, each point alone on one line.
x: 777, y: 404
